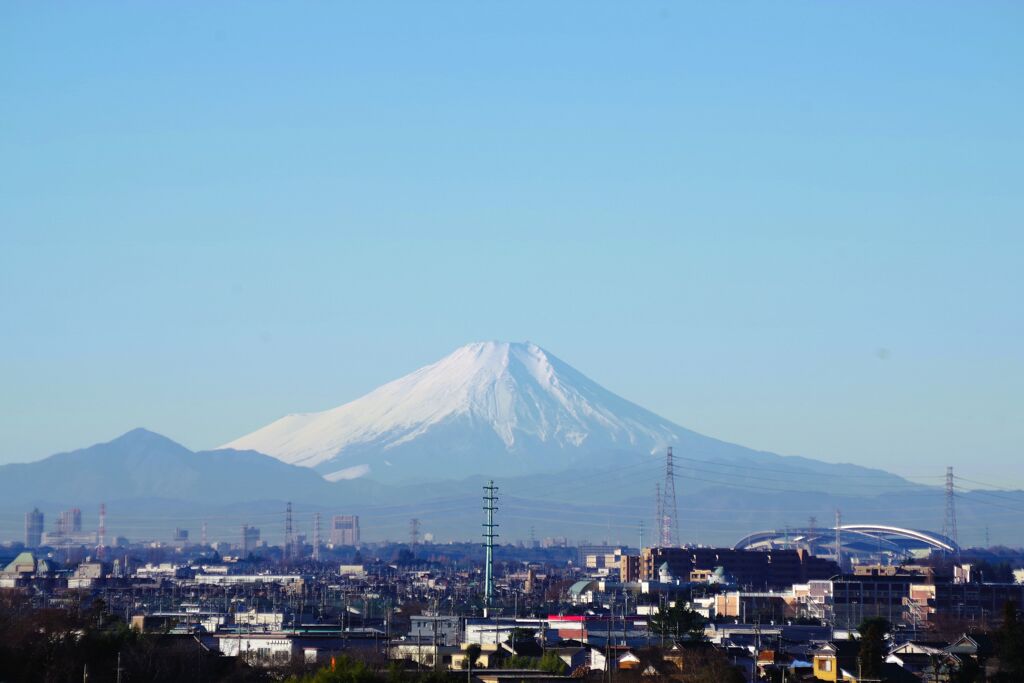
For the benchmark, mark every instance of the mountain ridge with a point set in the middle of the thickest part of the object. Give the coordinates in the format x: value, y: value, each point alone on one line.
x: 141, y: 464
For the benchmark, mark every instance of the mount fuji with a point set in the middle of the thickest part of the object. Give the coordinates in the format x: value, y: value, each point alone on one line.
x: 570, y: 456
x: 502, y: 409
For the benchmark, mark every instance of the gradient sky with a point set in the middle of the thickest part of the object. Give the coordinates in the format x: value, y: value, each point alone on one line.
x: 795, y: 226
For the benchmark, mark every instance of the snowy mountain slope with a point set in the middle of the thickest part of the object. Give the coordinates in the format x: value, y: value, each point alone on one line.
x: 495, y: 408
x: 511, y: 397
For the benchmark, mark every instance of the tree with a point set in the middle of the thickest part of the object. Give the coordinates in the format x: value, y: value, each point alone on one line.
x: 519, y: 635
x: 678, y: 622
x: 472, y: 654
x: 1010, y: 644
x: 969, y: 672
x: 871, y: 656
x: 708, y: 665
x: 553, y: 664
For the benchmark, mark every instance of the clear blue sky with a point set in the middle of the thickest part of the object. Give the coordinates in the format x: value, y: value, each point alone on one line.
x: 796, y: 226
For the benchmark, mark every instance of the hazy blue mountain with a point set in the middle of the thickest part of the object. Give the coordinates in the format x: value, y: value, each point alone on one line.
x: 142, y: 464
x: 152, y: 485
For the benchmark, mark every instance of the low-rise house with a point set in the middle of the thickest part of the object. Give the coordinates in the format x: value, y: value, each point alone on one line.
x: 836, y: 660
x: 442, y: 630
x: 574, y: 657
x: 489, y: 656
x: 976, y: 646
x: 628, y: 661
x: 936, y: 666
x: 680, y: 652
x: 86, y: 575
x: 623, y: 657
x: 425, y: 653
x: 262, y: 621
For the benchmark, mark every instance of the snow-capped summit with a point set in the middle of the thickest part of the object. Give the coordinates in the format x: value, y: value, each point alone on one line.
x: 486, y: 407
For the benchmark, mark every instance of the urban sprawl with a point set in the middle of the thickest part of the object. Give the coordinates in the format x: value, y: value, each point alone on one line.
x: 835, y: 603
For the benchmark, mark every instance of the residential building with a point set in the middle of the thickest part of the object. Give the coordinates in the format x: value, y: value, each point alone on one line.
x: 750, y: 568
x: 345, y: 530
x: 250, y: 539
x: 836, y: 660
x: 33, y: 528
x: 69, y: 522
x: 963, y: 600
x: 68, y: 531
x: 271, y: 649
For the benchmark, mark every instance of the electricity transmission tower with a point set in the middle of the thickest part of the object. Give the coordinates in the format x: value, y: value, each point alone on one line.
x: 101, y: 548
x: 316, y: 537
x: 839, y: 539
x: 669, y: 508
x: 414, y: 534
x: 489, y: 526
x: 288, y: 537
x: 657, y: 513
x: 949, y: 524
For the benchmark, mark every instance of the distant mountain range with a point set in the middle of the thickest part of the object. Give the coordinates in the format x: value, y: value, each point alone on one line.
x: 571, y: 458
x: 142, y: 464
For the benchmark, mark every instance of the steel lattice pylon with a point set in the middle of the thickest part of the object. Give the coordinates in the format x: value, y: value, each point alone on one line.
x: 489, y: 509
x: 669, y: 508
x: 949, y: 524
